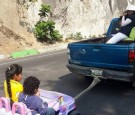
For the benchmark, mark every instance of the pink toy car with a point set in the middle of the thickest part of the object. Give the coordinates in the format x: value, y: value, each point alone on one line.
x: 63, y: 104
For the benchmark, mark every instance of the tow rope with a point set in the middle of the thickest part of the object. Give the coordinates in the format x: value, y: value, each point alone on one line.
x: 95, y: 81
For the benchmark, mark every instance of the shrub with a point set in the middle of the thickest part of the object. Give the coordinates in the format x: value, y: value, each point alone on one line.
x: 45, y: 30
x: 56, y: 36
x: 70, y: 36
x: 94, y: 36
x: 45, y: 10
x: 78, y: 36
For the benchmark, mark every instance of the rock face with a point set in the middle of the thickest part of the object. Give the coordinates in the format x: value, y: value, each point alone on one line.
x: 16, y: 25
x: 89, y: 17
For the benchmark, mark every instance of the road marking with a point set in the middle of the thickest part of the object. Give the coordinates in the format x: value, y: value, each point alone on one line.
x: 30, y: 58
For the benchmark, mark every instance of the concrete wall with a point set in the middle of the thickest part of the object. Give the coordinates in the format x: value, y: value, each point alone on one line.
x: 51, y: 2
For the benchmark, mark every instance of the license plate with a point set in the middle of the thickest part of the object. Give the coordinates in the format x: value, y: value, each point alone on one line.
x: 97, y: 72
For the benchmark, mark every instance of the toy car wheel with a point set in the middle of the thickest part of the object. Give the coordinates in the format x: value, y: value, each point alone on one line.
x: 74, y: 112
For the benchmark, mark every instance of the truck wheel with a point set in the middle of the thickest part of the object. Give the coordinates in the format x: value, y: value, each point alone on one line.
x: 74, y: 112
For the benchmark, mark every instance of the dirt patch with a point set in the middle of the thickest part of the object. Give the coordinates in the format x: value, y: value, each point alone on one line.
x: 10, y: 44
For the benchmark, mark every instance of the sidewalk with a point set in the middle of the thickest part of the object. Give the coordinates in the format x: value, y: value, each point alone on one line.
x: 34, y: 51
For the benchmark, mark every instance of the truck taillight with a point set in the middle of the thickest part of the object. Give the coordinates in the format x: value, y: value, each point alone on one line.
x: 131, y: 56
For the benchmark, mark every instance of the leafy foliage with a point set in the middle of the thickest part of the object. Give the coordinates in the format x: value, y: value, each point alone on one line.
x: 78, y: 36
x: 45, y: 30
x: 45, y: 10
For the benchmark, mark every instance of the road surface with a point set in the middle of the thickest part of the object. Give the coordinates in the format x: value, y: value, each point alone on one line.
x: 107, y: 98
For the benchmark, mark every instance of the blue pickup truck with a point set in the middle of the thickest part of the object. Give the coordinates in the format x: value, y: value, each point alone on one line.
x: 93, y: 57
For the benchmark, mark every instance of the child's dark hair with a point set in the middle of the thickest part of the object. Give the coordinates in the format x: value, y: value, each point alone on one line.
x: 133, y: 13
x: 30, y: 84
x: 12, y: 70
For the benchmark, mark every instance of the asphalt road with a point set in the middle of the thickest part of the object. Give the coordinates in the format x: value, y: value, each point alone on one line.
x: 107, y: 98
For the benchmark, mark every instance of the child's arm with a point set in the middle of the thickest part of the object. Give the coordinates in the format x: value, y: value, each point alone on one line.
x: 125, y: 22
x: 41, y: 107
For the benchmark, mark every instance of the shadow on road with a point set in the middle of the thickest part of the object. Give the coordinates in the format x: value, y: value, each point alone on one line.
x: 107, y: 98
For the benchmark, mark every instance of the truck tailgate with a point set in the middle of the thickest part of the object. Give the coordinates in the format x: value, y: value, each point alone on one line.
x: 110, y: 56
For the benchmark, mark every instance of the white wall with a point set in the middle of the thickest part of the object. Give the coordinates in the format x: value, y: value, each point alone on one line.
x: 90, y: 17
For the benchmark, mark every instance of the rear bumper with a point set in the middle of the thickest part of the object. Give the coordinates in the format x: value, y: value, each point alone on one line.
x: 106, y: 73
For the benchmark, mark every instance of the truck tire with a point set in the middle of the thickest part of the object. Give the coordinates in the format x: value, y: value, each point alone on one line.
x: 74, y: 112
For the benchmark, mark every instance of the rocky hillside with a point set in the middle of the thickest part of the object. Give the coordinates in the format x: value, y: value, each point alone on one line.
x: 89, y: 17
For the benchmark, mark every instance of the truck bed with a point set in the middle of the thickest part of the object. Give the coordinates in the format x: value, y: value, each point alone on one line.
x: 103, y: 40
x: 96, y: 53
x: 93, y: 57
